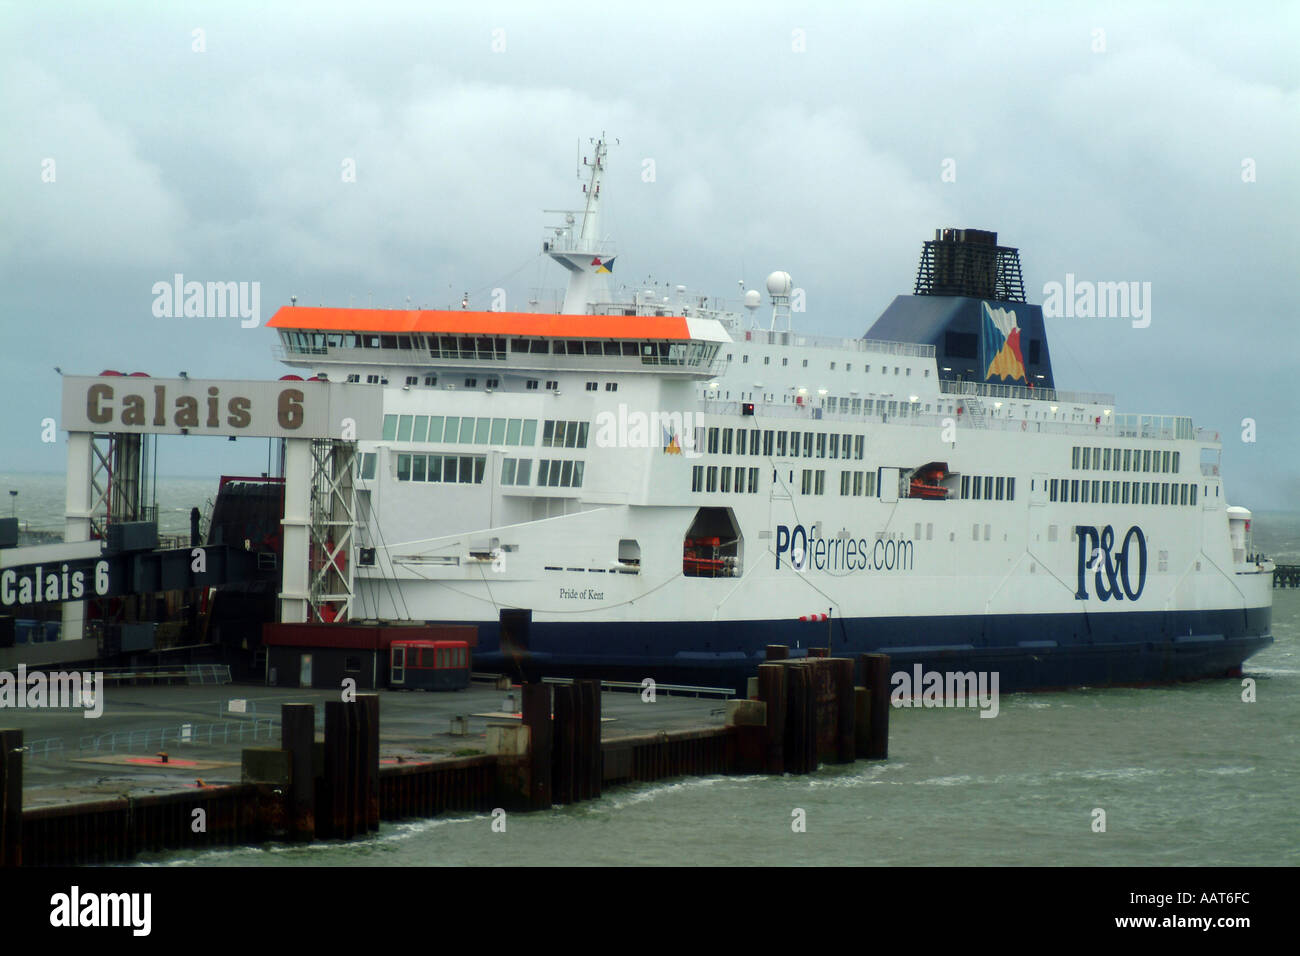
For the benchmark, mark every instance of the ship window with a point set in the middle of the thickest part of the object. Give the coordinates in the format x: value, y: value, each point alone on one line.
x: 1146, y: 461
x: 1074, y: 457
x: 819, y: 487
x: 835, y: 446
x: 1146, y: 492
x: 767, y: 442
x: 524, y: 473
x: 1193, y: 494
x: 857, y: 447
x: 390, y: 428
x: 482, y: 431
x: 593, y: 386
x: 726, y: 444
x: 1105, y: 459
x: 530, y: 384
x: 794, y: 444
x: 805, y: 481
x: 403, y: 467
x: 997, y: 490
x: 1086, y: 458
x: 713, y: 443
x: 744, y: 360
x: 471, y: 383
x: 857, y: 483
x: 404, y: 428
x: 1165, y: 462
x: 1182, y: 494
x: 498, y: 435
x: 566, y: 474
x: 697, y: 477
x: 780, y: 443
x: 1051, y: 496
x: 368, y: 465
x: 594, y: 348
x: 711, y: 478
x: 821, y: 445
x: 753, y: 442
x: 844, y: 482
x: 611, y: 386
x: 1105, y: 492
x: 965, y: 486
x: 1083, y: 492
x: 1011, y: 489
x: 530, y: 432
x: 552, y: 385
x: 726, y: 480
x: 418, y: 463
x: 1128, y: 455
x: 1074, y: 489
x: 512, y: 431
x: 988, y: 488
x: 629, y: 349
x: 807, y: 444
x: 1164, y: 493
x: 508, y: 471
x: 975, y: 489
x: 1176, y: 467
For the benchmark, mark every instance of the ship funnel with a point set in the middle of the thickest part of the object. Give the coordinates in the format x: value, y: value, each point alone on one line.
x: 969, y: 262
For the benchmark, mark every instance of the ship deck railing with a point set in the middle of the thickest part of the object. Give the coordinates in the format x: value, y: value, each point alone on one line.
x: 1026, y: 394
x: 1159, y: 427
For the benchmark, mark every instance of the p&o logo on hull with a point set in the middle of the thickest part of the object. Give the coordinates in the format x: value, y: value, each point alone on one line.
x: 1113, y: 571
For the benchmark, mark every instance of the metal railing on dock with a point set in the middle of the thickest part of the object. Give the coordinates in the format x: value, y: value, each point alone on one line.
x: 680, y: 690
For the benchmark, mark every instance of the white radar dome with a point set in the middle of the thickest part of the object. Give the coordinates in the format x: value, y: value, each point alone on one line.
x: 779, y: 283
x: 753, y: 298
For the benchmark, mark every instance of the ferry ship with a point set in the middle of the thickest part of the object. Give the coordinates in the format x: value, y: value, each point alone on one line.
x: 660, y: 484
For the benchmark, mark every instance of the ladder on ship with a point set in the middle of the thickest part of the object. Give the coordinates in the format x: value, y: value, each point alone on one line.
x: 975, y: 412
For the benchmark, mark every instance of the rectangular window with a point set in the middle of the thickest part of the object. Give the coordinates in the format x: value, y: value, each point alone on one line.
x: 988, y: 488
x: 524, y: 474
x: 805, y: 484
x: 844, y: 482
x: 1105, y: 459
x: 1146, y: 460
x: 713, y: 443
x: 1087, y: 452
x: 697, y: 478
x: 780, y: 444
x: 1011, y: 489
x: 1083, y: 492
x: 403, y: 467
x: 1193, y: 494
x: 1051, y: 495
x: 1074, y: 489
x: 726, y: 480
x: 1176, y: 468
x: 726, y: 443
x: 712, y: 478
x: 508, y: 471
x: 566, y: 474
x: 368, y: 465
x: 807, y: 444
x: 997, y: 489
x: 835, y: 446
x: 753, y: 481
x: 449, y: 467
x: 530, y: 432
x: 857, y: 447
x: 857, y: 483
x: 767, y: 443
x: 417, y: 467
x: 975, y: 487
x: 821, y: 445
x: 1146, y: 492
x: 819, y: 487
x: 435, y: 468
x: 512, y: 431
x: 1105, y: 492
x: 390, y: 428
x: 965, y: 486
x: 1123, y: 487
x: 498, y: 436
x: 1128, y: 456
x: 1074, y: 457
x: 753, y: 441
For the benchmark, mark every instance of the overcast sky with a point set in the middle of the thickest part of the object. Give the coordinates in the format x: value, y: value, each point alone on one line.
x: 1117, y: 142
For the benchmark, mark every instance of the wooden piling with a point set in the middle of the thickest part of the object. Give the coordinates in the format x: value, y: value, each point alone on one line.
x: 369, y: 709
x: 343, y: 800
x: 772, y: 691
x: 11, y: 797
x: 536, y: 709
x: 562, y: 782
x: 819, y: 652
x: 801, y: 719
x: 298, y: 735
x: 588, y: 762
x: 777, y: 652
x: 875, y: 672
x: 846, y: 710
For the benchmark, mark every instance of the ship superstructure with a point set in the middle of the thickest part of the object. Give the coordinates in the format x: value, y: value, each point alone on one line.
x: 662, y: 484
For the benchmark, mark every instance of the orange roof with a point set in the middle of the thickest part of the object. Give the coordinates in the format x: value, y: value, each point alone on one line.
x: 461, y: 322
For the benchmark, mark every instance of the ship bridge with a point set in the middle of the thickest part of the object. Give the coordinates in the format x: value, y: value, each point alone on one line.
x: 457, y: 339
